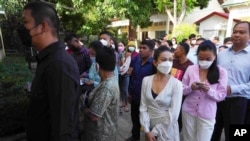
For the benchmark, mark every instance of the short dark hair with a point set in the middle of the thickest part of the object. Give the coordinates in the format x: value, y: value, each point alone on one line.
x: 106, y: 58
x: 223, y: 46
x: 115, y: 43
x: 159, y: 50
x: 185, y: 47
x: 41, y: 11
x: 170, y: 43
x: 213, y: 74
x: 248, y: 23
x: 107, y: 33
x: 216, y: 38
x: 191, y: 36
x: 200, y: 39
x: 149, y: 43
x: 96, y: 45
x: 70, y: 36
x: 184, y: 40
x: 226, y: 40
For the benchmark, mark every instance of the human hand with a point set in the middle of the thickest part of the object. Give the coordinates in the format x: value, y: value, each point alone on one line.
x: 229, y: 90
x: 205, y: 87
x: 89, y: 82
x: 150, y: 137
x: 129, y: 72
x: 196, y: 85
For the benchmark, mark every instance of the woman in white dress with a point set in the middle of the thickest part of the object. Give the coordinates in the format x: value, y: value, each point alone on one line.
x: 161, y: 97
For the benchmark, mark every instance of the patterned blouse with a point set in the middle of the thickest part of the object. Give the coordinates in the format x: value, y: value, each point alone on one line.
x: 103, y: 102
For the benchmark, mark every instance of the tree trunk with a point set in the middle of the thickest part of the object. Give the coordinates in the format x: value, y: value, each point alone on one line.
x: 176, y: 18
x: 131, y: 32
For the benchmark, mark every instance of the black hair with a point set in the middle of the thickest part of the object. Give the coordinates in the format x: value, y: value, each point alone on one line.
x: 159, y: 50
x: 185, y: 47
x: 149, y: 43
x: 170, y: 43
x: 200, y: 39
x: 223, y: 46
x: 158, y: 42
x: 191, y: 36
x: 96, y: 45
x: 106, y: 58
x: 248, y: 23
x: 107, y: 33
x: 226, y: 40
x: 115, y: 43
x: 122, y: 42
x: 213, y: 74
x: 41, y: 11
x: 174, y: 38
x: 69, y: 37
x: 216, y: 38
x: 184, y: 40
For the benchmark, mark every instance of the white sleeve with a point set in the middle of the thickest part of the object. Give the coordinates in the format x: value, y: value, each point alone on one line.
x: 176, y: 101
x: 166, y: 128
x: 144, y: 116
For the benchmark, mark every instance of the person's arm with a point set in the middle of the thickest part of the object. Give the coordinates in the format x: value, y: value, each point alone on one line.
x: 242, y: 88
x: 187, y: 87
x: 62, y: 87
x: 220, y: 92
x: 176, y: 101
x: 144, y: 116
x: 167, y: 126
x: 99, y: 104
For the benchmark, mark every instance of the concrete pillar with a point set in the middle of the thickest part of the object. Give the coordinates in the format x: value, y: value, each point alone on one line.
x: 230, y: 24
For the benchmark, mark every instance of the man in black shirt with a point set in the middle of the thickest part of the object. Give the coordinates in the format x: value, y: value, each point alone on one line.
x: 53, y: 111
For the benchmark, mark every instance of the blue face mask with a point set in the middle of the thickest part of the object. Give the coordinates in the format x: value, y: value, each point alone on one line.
x: 92, y: 59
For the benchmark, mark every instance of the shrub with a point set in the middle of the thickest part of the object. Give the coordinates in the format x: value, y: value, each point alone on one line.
x: 183, y: 31
x: 13, y: 97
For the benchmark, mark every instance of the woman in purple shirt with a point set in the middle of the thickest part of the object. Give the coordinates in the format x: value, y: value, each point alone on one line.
x: 204, y: 85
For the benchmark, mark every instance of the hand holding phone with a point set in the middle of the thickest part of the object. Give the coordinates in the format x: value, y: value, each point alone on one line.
x: 199, y: 84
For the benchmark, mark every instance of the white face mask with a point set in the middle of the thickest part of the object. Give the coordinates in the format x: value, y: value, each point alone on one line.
x: 205, y: 64
x: 104, y: 42
x: 165, y: 67
x: 113, y: 46
x: 193, y: 42
x: 229, y: 45
x: 131, y: 49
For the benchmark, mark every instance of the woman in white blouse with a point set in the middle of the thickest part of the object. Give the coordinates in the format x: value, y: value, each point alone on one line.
x: 161, y: 97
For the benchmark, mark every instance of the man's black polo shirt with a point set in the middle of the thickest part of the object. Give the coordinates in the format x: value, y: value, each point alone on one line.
x: 53, y: 111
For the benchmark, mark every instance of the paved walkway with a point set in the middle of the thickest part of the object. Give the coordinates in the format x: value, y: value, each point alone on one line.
x: 124, y: 130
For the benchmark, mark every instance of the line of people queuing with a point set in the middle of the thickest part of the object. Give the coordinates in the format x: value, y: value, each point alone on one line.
x: 186, y: 92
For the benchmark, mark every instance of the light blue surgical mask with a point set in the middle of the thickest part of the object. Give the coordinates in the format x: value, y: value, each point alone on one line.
x: 93, y: 59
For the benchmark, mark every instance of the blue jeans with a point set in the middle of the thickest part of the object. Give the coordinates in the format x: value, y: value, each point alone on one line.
x: 124, y: 83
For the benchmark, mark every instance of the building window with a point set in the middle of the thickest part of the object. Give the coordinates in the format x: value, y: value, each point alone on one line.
x: 160, y: 23
x: 159, y: 34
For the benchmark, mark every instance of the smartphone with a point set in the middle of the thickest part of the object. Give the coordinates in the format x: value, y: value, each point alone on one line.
x: 199, y: 84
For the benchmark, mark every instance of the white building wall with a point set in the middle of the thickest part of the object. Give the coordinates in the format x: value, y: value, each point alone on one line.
x: 198, y: 13
x: 158, y: 17
x: 236, y: 12
x: 212, y: 24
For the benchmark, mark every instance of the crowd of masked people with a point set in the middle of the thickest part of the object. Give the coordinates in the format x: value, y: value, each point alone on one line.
x: 190, y: 90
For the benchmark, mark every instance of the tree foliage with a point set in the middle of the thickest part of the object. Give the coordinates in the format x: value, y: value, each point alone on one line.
x: 95, y: 15
x: 177, y: 9
x: 87, y: 17
x: 183, y: 30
